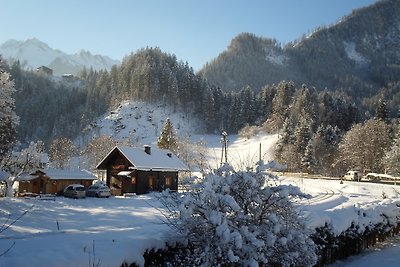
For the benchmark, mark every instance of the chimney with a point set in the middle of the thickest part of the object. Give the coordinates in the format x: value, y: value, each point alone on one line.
x: 147, y: 149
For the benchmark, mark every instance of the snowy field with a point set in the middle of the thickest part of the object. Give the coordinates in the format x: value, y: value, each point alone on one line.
x: 122, y: 228
x: 63, y: 232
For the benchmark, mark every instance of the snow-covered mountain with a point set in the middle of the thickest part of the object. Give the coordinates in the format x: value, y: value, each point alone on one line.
x: 33, y: 53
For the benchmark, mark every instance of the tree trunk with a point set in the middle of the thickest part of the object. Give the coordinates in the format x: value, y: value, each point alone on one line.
x: 9, y: 188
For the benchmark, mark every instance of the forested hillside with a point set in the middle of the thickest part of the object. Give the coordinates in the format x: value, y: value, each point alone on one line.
x: 360, y: 54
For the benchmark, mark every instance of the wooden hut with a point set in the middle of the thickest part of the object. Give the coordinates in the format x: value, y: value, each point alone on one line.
x: 141, y: 170
x: 53, y: 181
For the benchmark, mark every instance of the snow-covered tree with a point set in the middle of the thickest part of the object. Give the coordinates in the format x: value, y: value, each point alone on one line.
x: 363, y: 146
x: 391, y: 160
x: 61, y: 152
x: 308, y: 160
x: 18, y: 163
x: 96, y: 150
x: 8, y: 119
x: 167, y: 139
x: 382, y: 112
x: 241, y: 219
x: 325, y: 144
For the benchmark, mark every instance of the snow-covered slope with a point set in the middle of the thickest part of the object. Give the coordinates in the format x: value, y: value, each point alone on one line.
x: 34, y: 53
x: 141, y: 123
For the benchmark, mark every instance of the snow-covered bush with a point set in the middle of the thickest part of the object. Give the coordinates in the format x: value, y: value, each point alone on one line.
x: 241, y: 218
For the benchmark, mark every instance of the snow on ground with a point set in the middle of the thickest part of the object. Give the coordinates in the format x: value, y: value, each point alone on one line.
x: 350, y: 48
x: 120, y: 228
x: 242, y: 152
x: 123, y: 228
x: 341, y: 204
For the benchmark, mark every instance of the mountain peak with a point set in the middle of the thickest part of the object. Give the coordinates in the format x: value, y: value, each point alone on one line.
x: 37, y: 53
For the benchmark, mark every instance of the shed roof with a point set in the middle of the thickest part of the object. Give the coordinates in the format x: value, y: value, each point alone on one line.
x: 58, y: 174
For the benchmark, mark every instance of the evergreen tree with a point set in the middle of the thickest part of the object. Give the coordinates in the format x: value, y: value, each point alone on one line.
x: 281, y: 103
x: 308, y: 160
x: 247, y: 111
x: 305, y: 104
x: 302, y: 136
x: 286, y: 138
x: 382, y: 112
x: 167, y: 139
x: 325, y: 143
x: 266, y: 97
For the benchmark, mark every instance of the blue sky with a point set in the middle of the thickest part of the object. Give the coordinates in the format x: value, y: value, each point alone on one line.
x: 195, y: 31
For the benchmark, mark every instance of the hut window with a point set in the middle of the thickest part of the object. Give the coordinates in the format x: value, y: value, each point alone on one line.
x: 168, y: 181
x: 152, y: 182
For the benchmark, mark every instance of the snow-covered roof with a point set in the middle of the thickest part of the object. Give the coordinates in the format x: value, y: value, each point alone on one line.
x: 157, y: 159
x: 58, y: 174
x: 3, y: 175
x: 26, y: 177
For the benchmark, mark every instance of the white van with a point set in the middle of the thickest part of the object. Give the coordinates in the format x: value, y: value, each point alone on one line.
x: 352, y: 176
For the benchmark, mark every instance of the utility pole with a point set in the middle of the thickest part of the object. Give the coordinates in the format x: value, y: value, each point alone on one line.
x: 224, y: 141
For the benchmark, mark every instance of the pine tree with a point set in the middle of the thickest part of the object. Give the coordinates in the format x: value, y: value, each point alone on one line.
x: 302, y: 137
x: 167, y: 139
x: 325, y: 143
x: 382, y: 112
x: 308, y: 160
x: 8, y: 119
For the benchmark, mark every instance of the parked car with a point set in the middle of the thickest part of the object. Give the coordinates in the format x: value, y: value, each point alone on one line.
x: 353, y: 176
x: 98, y: 190
x: 75, y: 191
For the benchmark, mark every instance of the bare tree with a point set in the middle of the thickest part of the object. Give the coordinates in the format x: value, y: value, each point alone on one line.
x: 364, y: 145
x: 97, y: 149
x: 61, y: 152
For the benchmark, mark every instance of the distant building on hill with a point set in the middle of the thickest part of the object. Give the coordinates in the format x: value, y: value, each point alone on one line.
x: 68, y: 77
x: 44, y: 70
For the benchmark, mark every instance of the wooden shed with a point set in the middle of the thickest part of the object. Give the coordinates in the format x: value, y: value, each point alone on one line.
x: 141, y: 170
x: 53, y: 181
